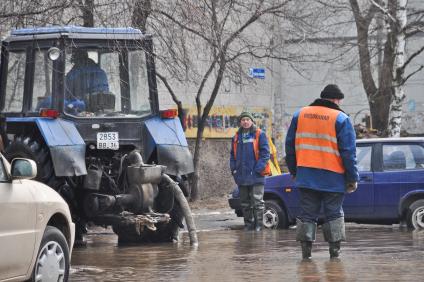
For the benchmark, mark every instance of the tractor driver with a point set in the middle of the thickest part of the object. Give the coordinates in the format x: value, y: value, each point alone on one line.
x: 85, y: 77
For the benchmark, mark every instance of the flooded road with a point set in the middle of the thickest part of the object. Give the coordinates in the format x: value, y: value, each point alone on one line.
x: 373, y: 253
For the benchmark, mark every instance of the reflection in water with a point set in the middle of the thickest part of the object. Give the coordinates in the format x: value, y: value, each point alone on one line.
x: 371, y: 254
x: 308, y: 271
x: 418, y: 237
x: 334, y: 270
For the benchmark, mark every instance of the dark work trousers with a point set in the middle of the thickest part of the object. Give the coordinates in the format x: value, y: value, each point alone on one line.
x: 252, y: 204
x: 310, y: 205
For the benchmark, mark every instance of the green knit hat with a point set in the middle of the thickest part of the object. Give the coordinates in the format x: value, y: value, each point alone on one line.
x: 246, y: 114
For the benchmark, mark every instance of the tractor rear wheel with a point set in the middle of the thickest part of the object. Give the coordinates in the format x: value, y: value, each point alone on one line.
x: 33, y: 148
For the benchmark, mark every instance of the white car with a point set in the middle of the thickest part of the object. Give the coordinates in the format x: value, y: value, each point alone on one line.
x: 36, y: 229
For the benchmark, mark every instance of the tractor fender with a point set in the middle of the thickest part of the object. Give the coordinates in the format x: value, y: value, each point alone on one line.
x: 167, y: 137
x: 66, y: 146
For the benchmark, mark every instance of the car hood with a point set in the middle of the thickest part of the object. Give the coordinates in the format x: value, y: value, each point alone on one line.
x: 283, y: 180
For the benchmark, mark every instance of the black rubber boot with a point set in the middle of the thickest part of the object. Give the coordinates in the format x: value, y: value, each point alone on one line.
x: 259, y: 220
x: 305, y: 233
x: 249, y: 220
x: 306, y: 249
x: 334, y: 233
x: 334, y: 249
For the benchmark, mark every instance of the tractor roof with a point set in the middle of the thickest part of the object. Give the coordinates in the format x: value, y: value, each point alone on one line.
x: 124, y: 33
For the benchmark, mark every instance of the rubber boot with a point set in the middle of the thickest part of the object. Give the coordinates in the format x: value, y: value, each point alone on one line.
x: 305, y: 233
x: 334, y: 233
x: 259, y: 219
x: 306, y: 249
x: 334, y: 249
x: 249, y: 221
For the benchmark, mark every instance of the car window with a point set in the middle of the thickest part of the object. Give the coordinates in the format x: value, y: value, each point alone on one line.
x: 405, y: 156
x: 363, y: 156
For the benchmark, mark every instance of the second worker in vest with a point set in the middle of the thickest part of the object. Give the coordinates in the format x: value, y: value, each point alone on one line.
x: 249, y: 164
x: 321, y: 156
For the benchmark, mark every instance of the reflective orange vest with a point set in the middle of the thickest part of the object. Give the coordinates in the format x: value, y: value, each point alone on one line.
x: 267, y: 169
x: 316, y: 139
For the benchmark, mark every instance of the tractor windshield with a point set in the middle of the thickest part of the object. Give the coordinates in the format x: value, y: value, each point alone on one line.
x: 106, y: 83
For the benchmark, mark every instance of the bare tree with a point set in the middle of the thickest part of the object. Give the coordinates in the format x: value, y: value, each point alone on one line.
x: 385, y: 97
x: 207, y: 40
x: 14, y: 14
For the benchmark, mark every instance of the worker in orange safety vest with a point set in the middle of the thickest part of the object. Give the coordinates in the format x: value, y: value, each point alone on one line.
x: 249, y: 164
x: 321, y: 157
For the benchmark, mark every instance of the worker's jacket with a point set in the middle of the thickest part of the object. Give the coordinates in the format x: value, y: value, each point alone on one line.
x: 321, y: 149
x: 244, y: 165
x: 83, y: 80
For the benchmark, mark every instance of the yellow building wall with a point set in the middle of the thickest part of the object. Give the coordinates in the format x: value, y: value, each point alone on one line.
x: 222, y: 121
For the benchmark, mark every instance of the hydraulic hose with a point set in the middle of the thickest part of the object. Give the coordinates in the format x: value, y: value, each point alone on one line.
x: 179, y: 196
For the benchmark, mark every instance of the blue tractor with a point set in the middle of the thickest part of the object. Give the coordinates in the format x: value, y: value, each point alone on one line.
x: 83, y: 103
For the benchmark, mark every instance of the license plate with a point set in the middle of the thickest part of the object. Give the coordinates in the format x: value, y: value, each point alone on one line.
x: 107, y: 140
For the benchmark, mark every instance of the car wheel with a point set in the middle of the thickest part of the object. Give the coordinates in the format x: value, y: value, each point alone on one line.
x: 274, y: 215
x: 415, y: 215
x: 52, y: 263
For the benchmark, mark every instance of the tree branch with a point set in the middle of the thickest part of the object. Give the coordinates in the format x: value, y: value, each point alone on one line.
x: 37, y: 12
x: 411, y: 57
x: 411, y: 74
x: 384, y: 11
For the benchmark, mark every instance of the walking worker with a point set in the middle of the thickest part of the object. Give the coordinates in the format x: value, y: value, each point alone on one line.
x: 321, y: 157
x: 249, y: 165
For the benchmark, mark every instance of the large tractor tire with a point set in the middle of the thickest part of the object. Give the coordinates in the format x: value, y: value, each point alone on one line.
x: 32, y: 148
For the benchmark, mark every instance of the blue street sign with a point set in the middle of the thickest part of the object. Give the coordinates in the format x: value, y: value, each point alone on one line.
x: 257, y: 73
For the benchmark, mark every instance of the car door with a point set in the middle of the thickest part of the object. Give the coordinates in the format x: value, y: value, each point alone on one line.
x: 391, y: 177
x: 360, y: 203
x: 401, y: 172
x: 17, y: 224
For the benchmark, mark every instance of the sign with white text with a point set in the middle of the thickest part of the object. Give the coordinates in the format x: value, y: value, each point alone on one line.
x: 257, y: 73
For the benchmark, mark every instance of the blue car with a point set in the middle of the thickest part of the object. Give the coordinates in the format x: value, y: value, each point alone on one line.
x: 390, y: 189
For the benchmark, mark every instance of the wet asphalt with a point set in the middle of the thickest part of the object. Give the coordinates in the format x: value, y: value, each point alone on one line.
x: 227, y: 253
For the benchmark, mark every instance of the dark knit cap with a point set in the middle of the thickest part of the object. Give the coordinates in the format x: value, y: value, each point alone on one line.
x: 245, y: 114
x: 332, y: 91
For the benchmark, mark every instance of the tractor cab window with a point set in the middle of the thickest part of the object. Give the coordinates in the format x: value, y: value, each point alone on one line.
x: 42, y: 89
x: 15, y: 82
x: 106, y: 83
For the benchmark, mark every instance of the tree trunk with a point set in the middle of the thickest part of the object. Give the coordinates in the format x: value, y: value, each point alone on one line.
x: 395, y: 117
x: 202, y: 118
x: 87, y: 13
x: 142, y: 10
x: 196, y: 160
x: 379, y: 108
